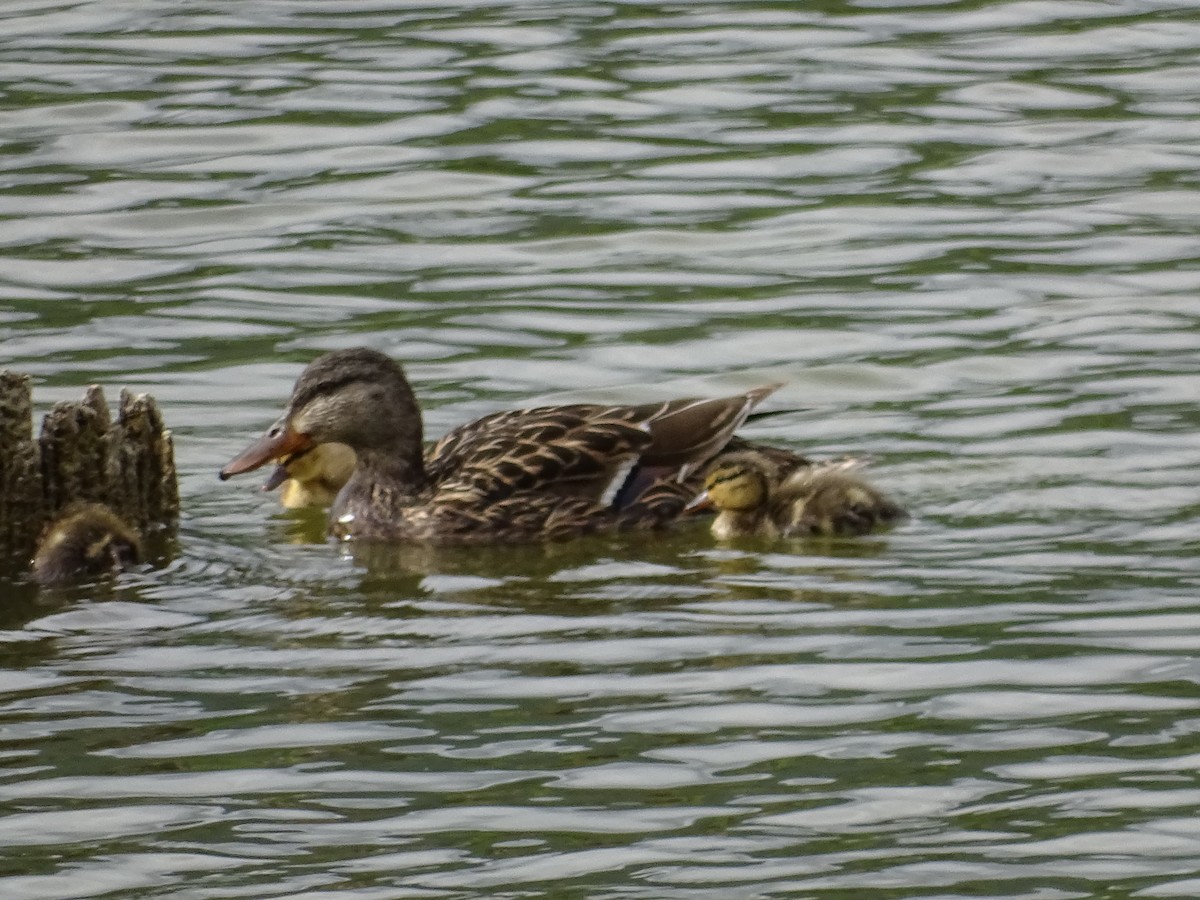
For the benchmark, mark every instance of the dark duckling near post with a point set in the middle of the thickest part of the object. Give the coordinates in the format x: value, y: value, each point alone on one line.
x: 86, y: 541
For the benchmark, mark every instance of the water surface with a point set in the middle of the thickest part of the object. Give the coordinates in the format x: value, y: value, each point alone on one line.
x: 962, y: 233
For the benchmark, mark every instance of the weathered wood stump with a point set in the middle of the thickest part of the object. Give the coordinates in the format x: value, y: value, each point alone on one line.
x: 81, y: 455
x: 22, y: 512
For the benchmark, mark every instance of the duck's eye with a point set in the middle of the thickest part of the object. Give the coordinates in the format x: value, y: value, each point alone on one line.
x: 275, y: 430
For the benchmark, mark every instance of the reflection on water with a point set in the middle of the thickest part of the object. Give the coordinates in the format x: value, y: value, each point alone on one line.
x: 961, y: 233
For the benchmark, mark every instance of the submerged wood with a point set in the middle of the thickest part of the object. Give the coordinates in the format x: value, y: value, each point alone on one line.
x: 81, y: 455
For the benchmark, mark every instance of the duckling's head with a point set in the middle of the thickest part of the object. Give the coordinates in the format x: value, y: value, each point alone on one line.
x: 738, y: 482
x: 326, y: 463
x: 87, y: 540
x: 357, y: 397
x: 312, y: 477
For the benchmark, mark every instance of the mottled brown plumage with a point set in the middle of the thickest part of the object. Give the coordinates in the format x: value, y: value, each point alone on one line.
x: 756, y: 493
x: 86, y: 541
x: 544, y: 473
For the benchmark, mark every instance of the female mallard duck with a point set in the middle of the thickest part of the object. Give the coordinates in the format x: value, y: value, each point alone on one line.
x: 87, y: 540
x: 545, y: 473
x: 754, y: 494
x: 312, y: 477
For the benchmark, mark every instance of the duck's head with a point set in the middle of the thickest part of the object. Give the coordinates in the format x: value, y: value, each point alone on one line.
x: 359, y: 398
x: 87, y: 540
x: 738, y: 482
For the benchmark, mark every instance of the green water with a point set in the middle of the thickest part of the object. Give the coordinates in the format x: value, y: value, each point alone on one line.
x: 962, y: 233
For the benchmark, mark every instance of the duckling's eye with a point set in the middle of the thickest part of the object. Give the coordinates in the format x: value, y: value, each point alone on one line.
x: 275, y: 430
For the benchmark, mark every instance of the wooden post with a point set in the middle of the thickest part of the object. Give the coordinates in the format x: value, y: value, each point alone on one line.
x: 143, y: 488
x: 80, y: 455
x: 74, y: 448
x: 22, y: 512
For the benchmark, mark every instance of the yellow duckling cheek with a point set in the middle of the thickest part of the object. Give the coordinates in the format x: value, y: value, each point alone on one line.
x: 742, y: 494
x: 302, y: 469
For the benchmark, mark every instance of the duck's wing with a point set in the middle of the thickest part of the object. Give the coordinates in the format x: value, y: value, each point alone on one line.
x: 611, y: 456
x: 565, y: 451
x: 688, y: 433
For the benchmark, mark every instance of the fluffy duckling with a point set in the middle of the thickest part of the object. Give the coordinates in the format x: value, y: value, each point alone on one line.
x: 86, y: 541
x: 312, y: 477
x: 753, y: 497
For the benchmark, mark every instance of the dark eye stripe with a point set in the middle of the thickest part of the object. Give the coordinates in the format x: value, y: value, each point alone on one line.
x: 717, y: 478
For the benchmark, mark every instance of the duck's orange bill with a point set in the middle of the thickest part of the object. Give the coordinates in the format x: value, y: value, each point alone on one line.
x: 701, y: 503
x: 279, y: 441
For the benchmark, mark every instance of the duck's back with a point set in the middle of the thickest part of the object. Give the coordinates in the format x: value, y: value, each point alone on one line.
x: 558, y: 471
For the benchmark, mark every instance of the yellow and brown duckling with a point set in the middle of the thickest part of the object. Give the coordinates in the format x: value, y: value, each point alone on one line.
x: 548, y: 472
x: 312, y: 477
x: 754, y: 496
x: 86, y: 541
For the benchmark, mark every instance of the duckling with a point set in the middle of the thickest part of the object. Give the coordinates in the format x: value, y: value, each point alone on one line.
x: 542, y: 473
x: 312, y: 477
x: 86, y: 541
x: 753, y: 496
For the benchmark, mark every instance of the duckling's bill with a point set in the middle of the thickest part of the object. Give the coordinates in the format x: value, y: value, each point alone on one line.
x: 278, y: 475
